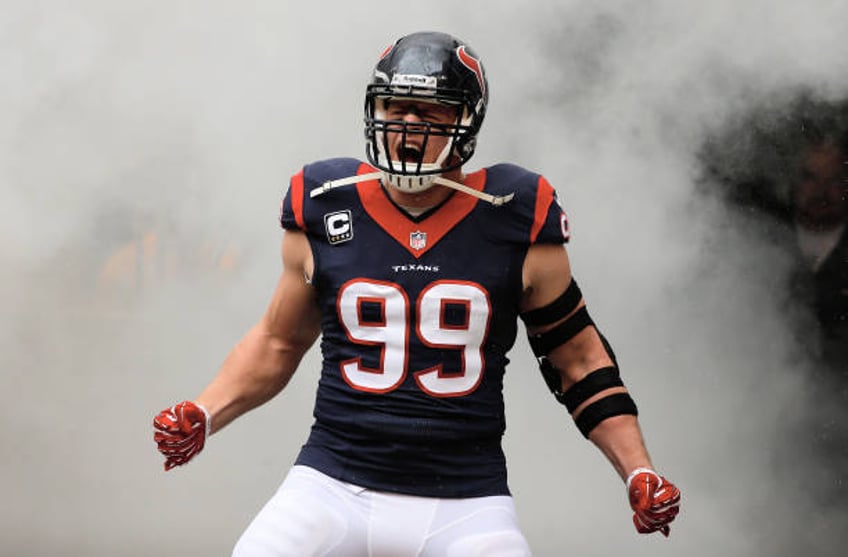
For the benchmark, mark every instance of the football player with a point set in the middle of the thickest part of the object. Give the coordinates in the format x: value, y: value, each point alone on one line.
x: 414, y: 273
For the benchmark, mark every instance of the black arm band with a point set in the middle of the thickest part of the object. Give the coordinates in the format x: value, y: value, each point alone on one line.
x: 543, y: 343
x: 556, y: 310
x: 600, y: 410
x: 597, y: 381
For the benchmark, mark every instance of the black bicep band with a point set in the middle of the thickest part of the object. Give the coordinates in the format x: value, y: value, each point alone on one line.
x: 607, y: 407
x: 556, y: 310
x: 543, y: 343
x: 594, y: 383
x: 597, y: 381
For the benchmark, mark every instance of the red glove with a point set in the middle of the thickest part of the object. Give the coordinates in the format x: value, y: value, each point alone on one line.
x: 180, y: 432
x: 654, y: 500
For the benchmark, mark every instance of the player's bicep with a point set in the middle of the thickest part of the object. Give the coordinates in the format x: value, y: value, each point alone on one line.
x: 546, y: 274
x: 293, y: 316
x: 556, y: 316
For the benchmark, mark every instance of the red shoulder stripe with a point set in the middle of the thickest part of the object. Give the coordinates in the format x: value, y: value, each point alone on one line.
x: 297, y: 199
x: 544, y: 198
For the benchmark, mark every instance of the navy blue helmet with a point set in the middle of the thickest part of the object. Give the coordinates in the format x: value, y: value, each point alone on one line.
x: 431, y: 67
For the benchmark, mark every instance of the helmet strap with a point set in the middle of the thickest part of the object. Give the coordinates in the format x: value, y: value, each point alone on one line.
x: 496, y: 200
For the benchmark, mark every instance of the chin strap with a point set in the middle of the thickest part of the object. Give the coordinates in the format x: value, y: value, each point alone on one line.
x: 332, y: 184
x: 495, y: 200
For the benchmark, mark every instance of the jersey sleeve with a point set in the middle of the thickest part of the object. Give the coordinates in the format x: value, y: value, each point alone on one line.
x: 299, y: 211
x: 550, y: 225
x: 291, y: 208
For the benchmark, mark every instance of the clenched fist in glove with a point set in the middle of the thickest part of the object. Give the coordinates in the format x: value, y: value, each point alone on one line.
x: 655, y: 501
x: 180, y: 432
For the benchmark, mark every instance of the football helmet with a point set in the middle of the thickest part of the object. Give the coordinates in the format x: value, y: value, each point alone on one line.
x: 430, y: 67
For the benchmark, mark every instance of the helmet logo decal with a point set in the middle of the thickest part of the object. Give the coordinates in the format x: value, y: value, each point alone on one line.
x: 472, y: 64
x: 387, y: 50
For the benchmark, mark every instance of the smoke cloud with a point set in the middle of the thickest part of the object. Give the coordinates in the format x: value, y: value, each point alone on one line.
x: 143, y: 154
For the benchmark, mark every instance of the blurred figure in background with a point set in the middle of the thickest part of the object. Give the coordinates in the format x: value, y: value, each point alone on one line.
x: 820, y: 215
x: 782, y: 172
x: 784, y: 175
x: 820, y: 223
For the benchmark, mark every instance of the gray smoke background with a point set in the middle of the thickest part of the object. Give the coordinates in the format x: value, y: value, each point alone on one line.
x: 144, y: 148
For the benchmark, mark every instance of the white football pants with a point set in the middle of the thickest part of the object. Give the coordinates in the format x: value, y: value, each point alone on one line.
x: 312, y: 514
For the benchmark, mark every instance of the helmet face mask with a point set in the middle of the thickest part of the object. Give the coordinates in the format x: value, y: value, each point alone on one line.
x: 424, y: 68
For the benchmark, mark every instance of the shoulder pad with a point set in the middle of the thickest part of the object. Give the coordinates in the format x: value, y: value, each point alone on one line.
x: 536, y: 213
x: 316, y: 173
x: 297, y: 204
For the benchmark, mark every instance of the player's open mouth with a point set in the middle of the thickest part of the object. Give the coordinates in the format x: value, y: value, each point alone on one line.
x: 410, y: 154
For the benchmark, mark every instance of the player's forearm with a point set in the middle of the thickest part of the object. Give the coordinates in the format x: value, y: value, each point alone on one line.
x: 620, y: 440
x: 256, y: 370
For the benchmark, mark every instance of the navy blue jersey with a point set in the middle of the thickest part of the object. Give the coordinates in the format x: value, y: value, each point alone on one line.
x: 418, y: 315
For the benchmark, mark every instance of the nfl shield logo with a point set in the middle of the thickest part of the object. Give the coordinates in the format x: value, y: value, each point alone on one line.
x: 417, y: 240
